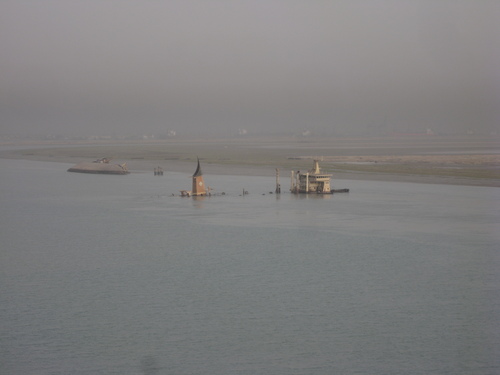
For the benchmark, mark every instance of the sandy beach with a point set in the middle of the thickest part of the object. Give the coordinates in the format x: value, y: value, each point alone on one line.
x: 467, y: 160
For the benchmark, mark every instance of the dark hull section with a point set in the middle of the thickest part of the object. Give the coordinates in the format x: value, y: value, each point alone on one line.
x: 334, y: 191
x: 340, y: 191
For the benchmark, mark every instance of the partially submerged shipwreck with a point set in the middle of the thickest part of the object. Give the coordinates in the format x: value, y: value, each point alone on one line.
x: 313, y: 182
x: 198, y: 187
x: 100, y: 166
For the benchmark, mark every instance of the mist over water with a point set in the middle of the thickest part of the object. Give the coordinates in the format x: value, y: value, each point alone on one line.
x: 113, y: 274
x: 124, y: 69
x: 119, y: 275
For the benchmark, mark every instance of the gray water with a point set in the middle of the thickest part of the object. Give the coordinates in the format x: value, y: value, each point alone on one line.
x: 113, y: 275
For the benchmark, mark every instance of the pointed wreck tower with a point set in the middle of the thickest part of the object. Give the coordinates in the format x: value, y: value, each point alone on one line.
x: 198, y: 187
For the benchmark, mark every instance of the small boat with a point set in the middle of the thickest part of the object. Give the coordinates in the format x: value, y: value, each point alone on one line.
x: 100, y: 166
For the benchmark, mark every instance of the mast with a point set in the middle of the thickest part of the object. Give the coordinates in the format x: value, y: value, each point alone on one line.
x: 278, y: 186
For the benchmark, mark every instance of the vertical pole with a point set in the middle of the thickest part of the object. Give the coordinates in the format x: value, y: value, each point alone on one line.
x: 278, y: 187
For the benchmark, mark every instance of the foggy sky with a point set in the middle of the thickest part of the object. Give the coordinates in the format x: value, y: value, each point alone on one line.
x: 132, y: 67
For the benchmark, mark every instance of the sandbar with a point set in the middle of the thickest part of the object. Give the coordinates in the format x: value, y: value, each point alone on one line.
x: 461, y: 160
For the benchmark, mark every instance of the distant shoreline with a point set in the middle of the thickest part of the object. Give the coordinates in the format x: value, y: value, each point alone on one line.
x: 439, y: 160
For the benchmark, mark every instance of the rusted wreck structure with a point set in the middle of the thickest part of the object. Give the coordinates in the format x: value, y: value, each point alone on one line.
x: 198, y: 187
x: 313, y: 182
x: 100, y: 166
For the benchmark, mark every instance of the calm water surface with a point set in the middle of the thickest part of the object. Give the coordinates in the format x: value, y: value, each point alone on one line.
x: 113, y: 275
